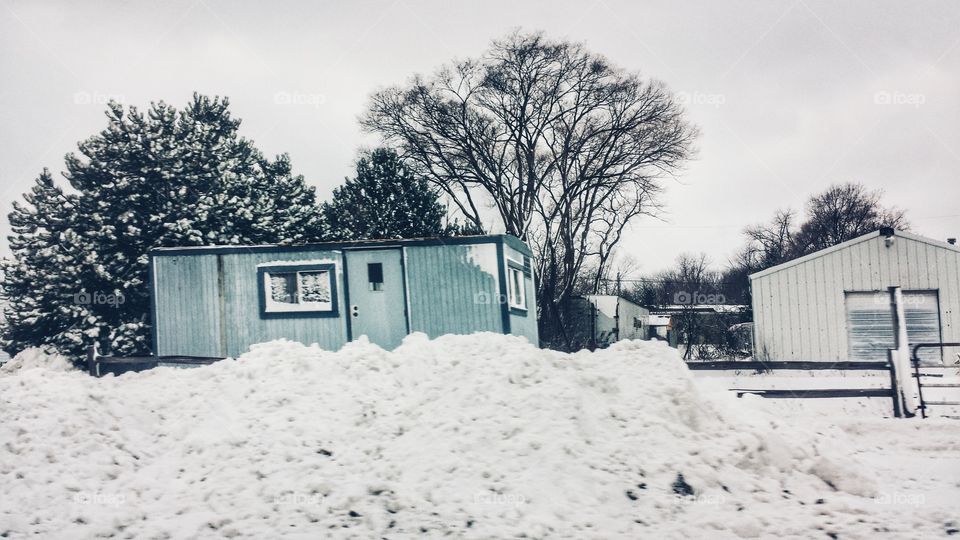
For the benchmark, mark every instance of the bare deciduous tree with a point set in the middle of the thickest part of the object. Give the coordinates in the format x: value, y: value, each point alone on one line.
x: 690, y: 276
x: 565, y: 149
x: 844, y: 212
x: 840, y: 213
x: 770, y: 244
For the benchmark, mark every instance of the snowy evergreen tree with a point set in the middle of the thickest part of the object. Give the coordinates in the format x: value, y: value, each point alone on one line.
x: 39, y: 281
x: 160, y: 178
x: 386, y: 200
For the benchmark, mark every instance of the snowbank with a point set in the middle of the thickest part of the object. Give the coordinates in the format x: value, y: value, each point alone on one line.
x: 34, y: 358
x: 479, y: 436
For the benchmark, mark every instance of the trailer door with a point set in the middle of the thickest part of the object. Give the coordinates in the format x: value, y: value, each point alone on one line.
x: 376, y: 288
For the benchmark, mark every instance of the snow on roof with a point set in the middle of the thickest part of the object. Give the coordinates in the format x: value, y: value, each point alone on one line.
x: 717, y: 308
x: 297, y: 263
x: 512, y: 241
x: 658, y: 320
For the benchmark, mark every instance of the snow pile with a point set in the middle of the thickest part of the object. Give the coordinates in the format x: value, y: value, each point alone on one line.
x: 479, y: 436
x: 34, y: 358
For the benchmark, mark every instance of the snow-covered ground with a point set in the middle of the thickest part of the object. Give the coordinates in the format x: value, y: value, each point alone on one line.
x: 837, y: 379
x: 35, y: 359
x: 478, y: 436
x: 915, y: 462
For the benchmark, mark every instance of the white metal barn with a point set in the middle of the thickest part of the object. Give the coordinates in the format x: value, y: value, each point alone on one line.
x: 835, y: 304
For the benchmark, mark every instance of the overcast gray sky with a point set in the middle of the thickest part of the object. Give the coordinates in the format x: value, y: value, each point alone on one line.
x: 790, y: 96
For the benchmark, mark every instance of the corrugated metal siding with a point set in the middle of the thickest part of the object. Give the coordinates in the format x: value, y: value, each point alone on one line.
x: 799, y: 310
x: 189, y: 305
x: 188, y: 318
x: 244, y: 325
x: 453, y: 289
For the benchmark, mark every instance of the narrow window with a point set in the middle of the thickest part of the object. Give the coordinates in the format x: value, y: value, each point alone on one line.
x: 314, y: 286
x: 283, y: 288
x: 517, y: 293
x: 375, y: 276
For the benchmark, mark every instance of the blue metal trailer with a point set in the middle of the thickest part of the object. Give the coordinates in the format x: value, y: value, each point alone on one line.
x: 216, y: 301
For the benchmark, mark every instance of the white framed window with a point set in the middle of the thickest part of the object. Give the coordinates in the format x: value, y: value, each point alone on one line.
x: 298, y: 289
x: 516, y: 288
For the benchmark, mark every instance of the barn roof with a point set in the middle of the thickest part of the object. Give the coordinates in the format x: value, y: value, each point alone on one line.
x: 849, y: 243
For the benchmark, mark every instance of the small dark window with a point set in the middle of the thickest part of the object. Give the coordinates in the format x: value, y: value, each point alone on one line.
x: 375, y: 276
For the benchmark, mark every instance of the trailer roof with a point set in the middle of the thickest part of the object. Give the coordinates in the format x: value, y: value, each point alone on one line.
x: 507, y: 239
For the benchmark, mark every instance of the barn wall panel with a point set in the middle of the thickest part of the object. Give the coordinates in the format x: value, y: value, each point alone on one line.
x: 799, y: 310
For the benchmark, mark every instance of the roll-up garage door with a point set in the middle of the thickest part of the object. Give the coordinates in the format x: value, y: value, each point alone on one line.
x: 870, y: 329
x: 869, y: 325
x: 922, y: 310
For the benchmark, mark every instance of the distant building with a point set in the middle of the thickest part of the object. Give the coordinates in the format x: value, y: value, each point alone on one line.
x: 605, y: 319
x: 716, y: 317
x: 835, y: 304
x: 217, y: 301
x: 616, y: 318
x: 659, y: 326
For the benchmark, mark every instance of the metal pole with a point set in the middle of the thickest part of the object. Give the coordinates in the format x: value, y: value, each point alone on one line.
x: 902, y: 357
x: 92, y: 360
x: 894, y: 387
x: 916, y: 374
